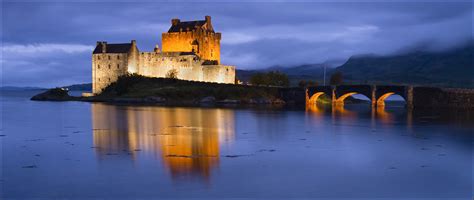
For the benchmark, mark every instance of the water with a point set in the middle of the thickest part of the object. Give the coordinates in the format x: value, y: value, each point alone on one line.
x: 93, y: 150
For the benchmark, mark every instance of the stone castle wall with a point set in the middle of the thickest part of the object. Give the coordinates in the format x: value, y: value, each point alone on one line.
x: 106, y: 68
x: 205, y: 44
x: 152, y: 64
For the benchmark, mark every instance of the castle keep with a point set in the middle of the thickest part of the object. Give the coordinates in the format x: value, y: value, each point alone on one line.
x: 190, y: 50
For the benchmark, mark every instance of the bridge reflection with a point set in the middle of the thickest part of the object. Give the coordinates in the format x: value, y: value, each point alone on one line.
x: 187, y: 141
x: 381, y: 114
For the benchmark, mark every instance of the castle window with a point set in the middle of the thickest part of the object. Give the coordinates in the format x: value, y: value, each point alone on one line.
x: 118, y: 57
x: 109, y: 66
x: 118, y: 66
x: 98, y: 57
x: 109, y: 57
x: 109, y: 79
x: 98, y: 66
x: 99, y: 79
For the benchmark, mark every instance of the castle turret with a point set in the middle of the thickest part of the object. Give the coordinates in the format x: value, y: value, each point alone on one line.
x: 157, y: 49
x: 133, y: 65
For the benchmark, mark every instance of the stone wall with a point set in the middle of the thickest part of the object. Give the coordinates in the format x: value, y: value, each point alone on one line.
x: 188, y: 67
x: 205, y: 44
x: 106, y: 68
x: 218, y: 74
x: 443, y: 97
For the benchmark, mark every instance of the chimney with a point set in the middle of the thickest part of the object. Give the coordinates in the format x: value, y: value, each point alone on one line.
x: 174, y: 22
x: 104, y: 47
x: 208, y: 19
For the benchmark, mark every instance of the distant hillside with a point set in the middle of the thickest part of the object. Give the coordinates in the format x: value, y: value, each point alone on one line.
x: 295, y: 74
x: 450, y: 68
x: 79, y: 87
x: 453, y: 68
x: 15, y: 88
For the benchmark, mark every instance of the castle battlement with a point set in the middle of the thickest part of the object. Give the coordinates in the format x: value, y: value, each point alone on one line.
x: 189, y: 48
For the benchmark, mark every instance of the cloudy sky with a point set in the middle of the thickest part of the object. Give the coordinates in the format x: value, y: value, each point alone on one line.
x: 50, y: 43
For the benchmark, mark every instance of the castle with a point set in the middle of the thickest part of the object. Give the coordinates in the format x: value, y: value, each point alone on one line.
x: 190, y: 51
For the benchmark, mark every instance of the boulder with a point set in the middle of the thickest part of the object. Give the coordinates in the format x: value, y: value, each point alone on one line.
x: 155, y: 99
x: 229, y: 101
x: 208, y: 99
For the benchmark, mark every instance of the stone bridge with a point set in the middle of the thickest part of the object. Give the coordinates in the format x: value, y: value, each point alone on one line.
x: 376, y: 94
x: 414, y: 96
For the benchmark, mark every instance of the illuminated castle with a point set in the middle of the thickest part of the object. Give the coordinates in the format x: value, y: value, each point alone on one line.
x: 191, y: 51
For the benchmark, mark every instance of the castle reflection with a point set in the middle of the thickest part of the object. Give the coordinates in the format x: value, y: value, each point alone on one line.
x: 186, y: 140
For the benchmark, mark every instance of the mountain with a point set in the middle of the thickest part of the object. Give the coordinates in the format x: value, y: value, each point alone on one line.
x: 450, y: 68
x: 295, y: 73
x: 17, y: 88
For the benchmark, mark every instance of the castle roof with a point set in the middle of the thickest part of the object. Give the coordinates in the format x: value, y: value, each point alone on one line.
x: 113, y: 48
x: 186, y: 26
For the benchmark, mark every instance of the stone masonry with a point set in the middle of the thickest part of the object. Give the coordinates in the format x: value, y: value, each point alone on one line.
x: 190, y: 48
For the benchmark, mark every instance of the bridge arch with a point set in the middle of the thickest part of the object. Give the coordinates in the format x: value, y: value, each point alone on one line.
x: 314, y: 98
x: 340, y: 100
x: 381, y: 98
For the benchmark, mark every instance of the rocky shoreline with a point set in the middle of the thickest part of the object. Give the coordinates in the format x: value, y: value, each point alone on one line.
x: 59, y: 94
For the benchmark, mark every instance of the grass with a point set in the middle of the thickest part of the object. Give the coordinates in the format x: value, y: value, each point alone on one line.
x: 136, y: 86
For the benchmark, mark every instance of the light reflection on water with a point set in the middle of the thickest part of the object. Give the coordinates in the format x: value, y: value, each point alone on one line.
x: 93, y: 150
x: 187, y: 141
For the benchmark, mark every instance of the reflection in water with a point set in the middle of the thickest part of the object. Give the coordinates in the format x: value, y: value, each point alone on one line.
x: 338, y: 111
x: 187, y: 140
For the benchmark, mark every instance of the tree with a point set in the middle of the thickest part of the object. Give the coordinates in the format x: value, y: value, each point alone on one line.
x: 258, y: 79
x: 305, y: 83
x: 172, y: 74
x: 273, y: 78
x: 336, y: 78
x: 302, y: 84
x: 277, y: 78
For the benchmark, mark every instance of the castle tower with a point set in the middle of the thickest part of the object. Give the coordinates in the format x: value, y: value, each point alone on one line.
x: 193, y: 36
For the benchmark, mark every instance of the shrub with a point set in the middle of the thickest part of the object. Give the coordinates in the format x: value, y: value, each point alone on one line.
x: 336, y: 78
x: 273, y: 78
x: 172, y: 74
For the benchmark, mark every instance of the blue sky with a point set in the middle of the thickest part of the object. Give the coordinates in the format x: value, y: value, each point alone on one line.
x: 50, y: 43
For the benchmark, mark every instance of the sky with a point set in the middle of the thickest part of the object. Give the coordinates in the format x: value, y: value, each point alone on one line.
x: 50, y: 43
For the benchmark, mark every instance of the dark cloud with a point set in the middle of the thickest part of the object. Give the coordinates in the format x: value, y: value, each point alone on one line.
x: 52, y: 40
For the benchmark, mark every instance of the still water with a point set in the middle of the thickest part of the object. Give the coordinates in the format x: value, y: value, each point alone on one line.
x: 94, y: 150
